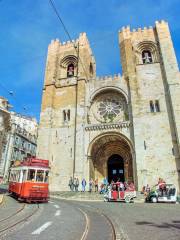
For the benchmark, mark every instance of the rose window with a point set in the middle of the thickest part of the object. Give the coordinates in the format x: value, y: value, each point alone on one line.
x: 109, y: 107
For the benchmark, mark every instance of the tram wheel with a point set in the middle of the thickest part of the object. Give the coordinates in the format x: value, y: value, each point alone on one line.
x: 127, y: 199
x: 154, y: 200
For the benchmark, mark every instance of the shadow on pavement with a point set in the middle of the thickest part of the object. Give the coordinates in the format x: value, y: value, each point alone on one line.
x: 174, y: 224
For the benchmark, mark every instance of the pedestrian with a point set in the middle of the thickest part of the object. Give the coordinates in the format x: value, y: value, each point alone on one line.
x: 83, y: 183
x: 121, y: 186
x: 76, y: 184
x: 105, y: 181
x: 118, y: 184
x: 162, y: 186
x: 71, y: 186
x: 147, y: 190
x: 96, y: 185
x: 91, y: 185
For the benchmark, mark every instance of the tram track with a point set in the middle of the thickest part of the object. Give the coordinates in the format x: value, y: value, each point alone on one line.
x: 13, y: 214
x: 14, y: 219
x: 90, y: 229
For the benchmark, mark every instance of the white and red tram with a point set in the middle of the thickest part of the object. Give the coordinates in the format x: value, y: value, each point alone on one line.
x: 29, y: 180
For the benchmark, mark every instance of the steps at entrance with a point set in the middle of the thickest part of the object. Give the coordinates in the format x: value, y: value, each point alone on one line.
x: 87, y: 196
x: 78, y: 195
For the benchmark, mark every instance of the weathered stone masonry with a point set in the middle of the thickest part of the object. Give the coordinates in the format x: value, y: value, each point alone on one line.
x: 86, y: 120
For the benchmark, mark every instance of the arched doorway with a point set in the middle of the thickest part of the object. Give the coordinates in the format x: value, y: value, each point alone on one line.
x: 111, y: 151
x: 115, y: 166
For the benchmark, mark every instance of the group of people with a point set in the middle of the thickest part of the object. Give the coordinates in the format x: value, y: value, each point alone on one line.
x: 102, y: 188
x: 161, y: 186
x: 74, y: 184
x: 116, y: 185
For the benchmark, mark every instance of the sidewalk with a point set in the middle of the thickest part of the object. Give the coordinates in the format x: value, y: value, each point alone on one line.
x: 1, y: 198
x: 3, y: 190
x: 87, y: 196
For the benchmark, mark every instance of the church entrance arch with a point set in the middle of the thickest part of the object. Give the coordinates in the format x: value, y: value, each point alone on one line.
x: 110, y: 156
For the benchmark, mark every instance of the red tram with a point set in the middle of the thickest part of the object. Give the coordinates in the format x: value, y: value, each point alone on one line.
x: 29, y: 180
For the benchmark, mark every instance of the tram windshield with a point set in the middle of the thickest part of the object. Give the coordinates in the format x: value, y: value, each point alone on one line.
x: 38, y: 175
x: 31, y: 175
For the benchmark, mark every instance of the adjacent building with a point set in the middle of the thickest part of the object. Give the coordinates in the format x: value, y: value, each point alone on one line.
x: 4, y: 128
x: 125, y: 127
x: 21, y: 141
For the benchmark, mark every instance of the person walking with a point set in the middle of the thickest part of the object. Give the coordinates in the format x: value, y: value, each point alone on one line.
x: 96, y: 185
x: 91, y: 185
x: 76, y: 184
x: 83, y: 183
x: 71, y: 184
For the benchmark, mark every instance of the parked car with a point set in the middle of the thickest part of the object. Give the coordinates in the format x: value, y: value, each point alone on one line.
x: 169, y: 194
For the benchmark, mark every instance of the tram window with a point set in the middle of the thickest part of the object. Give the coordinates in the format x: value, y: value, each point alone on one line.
x: 17, y: 176
x: 39, y: 175
x: 46, y: 176
x: 31, y: 175
x: 14, y: 176
x: 10, y: 176
x: 24, y: 175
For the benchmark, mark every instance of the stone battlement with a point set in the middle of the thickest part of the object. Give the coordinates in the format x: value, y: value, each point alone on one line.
x: 57, y: 41
x: 82, y: 40
x: 109, y: 77
x: 127, y: 28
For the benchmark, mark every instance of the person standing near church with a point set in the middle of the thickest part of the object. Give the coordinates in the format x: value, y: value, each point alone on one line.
x: 83, y: 183
x: 76, y: 184
x: 91, y: 185
x: 96, y: 185
x: 71, y: 184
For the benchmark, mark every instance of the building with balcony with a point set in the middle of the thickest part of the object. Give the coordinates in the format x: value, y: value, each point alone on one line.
x: 4, y: 128
x: 21, y: 141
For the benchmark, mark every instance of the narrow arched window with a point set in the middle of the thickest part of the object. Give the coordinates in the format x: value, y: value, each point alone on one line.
x: 151, y: 104
x: 146, y: 57
x: 70, y: 70
x: 91, y: 69
x: 68, y: 114
x: 157, y: 107
x: 64, y: 115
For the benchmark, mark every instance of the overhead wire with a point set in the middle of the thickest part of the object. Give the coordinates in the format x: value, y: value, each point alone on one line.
x: 11, y: 93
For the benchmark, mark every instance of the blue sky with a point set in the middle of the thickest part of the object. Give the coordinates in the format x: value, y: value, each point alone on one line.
x: 27, y: 28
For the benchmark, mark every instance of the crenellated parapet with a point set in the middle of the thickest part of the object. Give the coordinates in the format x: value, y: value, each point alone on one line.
x: 82, y: 40
x: 140, y: 33
x: 115, y: 77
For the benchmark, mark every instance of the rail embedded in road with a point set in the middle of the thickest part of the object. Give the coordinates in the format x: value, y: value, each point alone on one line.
x: 21, y: 215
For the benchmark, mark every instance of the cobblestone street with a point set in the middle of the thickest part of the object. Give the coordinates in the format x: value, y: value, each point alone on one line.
x: 66, y: 220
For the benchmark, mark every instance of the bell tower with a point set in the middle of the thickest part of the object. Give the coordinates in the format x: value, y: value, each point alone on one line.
x: 69, y: 67
x: 152, y: 76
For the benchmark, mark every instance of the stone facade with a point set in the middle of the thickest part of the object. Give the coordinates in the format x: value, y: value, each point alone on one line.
x: 113, y: 126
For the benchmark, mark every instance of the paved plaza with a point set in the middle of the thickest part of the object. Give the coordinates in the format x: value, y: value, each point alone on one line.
x: 71, y: 220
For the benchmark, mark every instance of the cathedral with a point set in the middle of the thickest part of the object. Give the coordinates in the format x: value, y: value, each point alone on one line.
x: 112, y: 127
